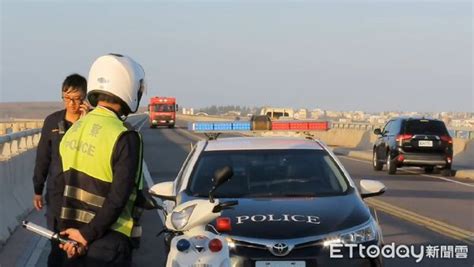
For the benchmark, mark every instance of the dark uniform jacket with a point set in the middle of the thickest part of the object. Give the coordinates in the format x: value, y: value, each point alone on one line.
x: 48, y: 167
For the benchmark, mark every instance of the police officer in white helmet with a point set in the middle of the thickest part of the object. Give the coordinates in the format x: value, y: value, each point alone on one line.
x: 101, y: 158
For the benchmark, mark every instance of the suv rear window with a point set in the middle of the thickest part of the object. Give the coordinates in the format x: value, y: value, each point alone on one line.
x: 270, y: 173
x: 425, y: 127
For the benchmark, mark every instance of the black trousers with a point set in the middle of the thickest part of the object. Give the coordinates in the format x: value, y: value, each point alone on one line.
x: 113, y: 249
x: 56, y: 256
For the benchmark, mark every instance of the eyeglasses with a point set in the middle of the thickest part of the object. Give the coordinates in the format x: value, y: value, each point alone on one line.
x: 73, y: 100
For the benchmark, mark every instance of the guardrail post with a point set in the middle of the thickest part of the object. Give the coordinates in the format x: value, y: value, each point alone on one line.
x: 29, y: 141
x: 22, y: 144
x: 14, y: 147
x: 36, y: 139
x: 5, y: 150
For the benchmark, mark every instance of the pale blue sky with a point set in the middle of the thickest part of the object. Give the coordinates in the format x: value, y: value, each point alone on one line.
x: 340, y: 55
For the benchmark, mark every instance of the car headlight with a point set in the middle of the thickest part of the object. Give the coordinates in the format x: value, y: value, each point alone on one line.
x: 364, y: 233
x: 179, y: 219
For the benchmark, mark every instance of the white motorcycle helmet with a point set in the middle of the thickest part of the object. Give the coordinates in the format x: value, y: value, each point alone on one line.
x: 116, y: 75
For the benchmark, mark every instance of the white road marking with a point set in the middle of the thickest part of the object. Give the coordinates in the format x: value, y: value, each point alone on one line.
x: 404, y: 170
x: 139, y: 128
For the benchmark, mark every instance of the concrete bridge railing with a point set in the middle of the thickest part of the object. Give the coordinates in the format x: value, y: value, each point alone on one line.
x: 459, y: 133
x: 16, y: 143
x: 17, y: 156
x: 7, y: 127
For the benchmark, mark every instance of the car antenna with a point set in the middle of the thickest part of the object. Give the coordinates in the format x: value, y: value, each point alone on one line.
x: 308, y: 135
x: 212, y: 136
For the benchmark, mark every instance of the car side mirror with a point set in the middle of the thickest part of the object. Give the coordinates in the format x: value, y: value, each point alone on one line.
x: 378, y: 131
x: 163, y: 190
x: 220, y: 176
x: 371, y: 188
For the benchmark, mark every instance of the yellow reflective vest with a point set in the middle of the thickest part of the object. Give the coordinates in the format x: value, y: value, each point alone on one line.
x: 86, y: 151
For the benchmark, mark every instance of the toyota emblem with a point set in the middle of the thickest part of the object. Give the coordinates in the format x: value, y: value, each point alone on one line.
x: 280, y: 249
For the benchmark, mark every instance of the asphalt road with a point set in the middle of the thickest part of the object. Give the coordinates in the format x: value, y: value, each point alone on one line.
x: 448, y: 200
x: 166, y: 149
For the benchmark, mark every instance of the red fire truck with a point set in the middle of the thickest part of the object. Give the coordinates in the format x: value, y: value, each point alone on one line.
x: 162, y: 111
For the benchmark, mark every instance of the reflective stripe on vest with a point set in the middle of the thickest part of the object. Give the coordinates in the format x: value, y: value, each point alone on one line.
x: 83, y: 195
x: 87, y: 148
x: 82, y: 216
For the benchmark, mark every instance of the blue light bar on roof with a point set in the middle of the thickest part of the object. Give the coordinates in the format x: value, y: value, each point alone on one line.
x: 221, y: 126
x: 241, y: 126
x: 279, y: 125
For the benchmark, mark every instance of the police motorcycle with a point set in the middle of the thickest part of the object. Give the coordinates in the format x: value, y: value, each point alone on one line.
x: 194, y: 242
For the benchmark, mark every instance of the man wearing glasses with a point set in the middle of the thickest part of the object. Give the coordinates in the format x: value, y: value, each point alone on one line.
x: 48, y: 167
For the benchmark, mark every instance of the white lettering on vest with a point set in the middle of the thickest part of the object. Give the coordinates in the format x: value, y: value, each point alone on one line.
x: 81, y: 147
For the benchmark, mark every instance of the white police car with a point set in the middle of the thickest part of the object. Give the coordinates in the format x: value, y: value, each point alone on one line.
x: 295, y: 199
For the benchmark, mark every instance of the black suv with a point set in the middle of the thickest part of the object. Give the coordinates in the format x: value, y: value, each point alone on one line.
x: 413, y: 142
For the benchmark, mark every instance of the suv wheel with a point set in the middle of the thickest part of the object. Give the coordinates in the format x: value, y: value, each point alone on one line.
x: 391, y: 165
x: 429, y: 169
x: 376, y: 163
x: 447, y: 171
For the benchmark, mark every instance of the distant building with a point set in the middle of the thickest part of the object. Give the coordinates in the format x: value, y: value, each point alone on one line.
x: 333, y: 114
x: 301, y: 114
x: 376, y: 119
x: 187, y: 111
x: 317, y: 114
x: 277, y: 113
x: 460, y: 123
x: 232, y: 113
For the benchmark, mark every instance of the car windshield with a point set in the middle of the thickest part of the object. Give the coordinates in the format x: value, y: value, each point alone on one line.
x: 270, y: 173
x: 163, y: 108
x: 425, y: 127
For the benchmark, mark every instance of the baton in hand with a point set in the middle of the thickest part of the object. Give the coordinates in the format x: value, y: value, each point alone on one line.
x: 47, y: 233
